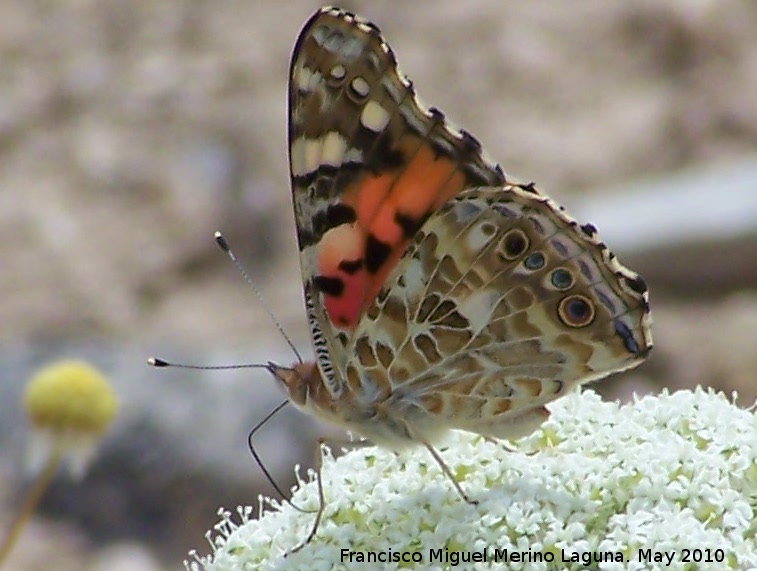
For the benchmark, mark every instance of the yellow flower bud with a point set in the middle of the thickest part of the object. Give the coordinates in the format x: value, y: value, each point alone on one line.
x: 69, y: 404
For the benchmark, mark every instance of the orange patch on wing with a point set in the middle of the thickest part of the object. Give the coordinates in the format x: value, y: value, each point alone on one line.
x: 345, y: 310
x: 368, y: 195
x: 422, y: 182
x: 413, y: 194
x: 343, y: 243
x: 420, y: 188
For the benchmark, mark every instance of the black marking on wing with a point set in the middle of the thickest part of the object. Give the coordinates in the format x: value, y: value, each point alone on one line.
x: 330, y: 286
x: 383, y: 157
x: 589, y: 229
x: 376, y: 253
x: 637, y: 284
x: 626, y: 335
x: 351, y: 266
x: 409, y: 224
x: 335, y: 215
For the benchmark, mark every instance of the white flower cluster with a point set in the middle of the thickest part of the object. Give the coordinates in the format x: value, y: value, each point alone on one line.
x: 667, y: 482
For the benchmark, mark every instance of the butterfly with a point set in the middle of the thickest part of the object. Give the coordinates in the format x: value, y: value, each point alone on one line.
x: 440, y: 293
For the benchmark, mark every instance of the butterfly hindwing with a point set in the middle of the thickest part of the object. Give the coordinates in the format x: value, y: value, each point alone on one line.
x: 501, y: 304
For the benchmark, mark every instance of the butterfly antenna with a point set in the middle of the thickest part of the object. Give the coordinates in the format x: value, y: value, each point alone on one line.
x: 224, y: 245
x: 157, y: 362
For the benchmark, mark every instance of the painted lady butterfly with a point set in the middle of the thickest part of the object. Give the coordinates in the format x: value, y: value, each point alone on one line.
x: 440, y: 294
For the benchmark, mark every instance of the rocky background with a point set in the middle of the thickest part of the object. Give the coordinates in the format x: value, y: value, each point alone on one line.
x: 130, y: 131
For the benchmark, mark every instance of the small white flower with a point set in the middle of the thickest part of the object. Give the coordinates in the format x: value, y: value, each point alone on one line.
x: 667, y: 476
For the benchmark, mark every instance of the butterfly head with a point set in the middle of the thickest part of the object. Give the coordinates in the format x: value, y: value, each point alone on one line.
x: 304, y: 385
x: 294, y: 379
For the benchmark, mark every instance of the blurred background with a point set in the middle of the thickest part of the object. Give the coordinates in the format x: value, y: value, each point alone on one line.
x: 131, y: 130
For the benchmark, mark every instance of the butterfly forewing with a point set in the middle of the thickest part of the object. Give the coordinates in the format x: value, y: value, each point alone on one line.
x: 369, y: 165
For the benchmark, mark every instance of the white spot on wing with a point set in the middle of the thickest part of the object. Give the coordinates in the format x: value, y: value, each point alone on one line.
x: 331, y: 149
x: 478, y: 306
x: 374, y: 117
x: 297, y: 158
x: 305, y: 79
x: 334, y: 147
x: 360, y: 86
x: 305, y: 156
x: 476, y: 239
x: 338, y: 71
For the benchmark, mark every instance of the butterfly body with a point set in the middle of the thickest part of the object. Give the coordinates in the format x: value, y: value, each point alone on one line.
x: 440, y: 294
x: 388, y: 423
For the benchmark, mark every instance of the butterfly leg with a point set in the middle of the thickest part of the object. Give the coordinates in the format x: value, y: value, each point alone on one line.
x: 508, y: 446
x: 448, y: 473
x: 320, y: 443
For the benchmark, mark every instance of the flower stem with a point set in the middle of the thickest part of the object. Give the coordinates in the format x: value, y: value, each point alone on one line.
x: 30, y: 503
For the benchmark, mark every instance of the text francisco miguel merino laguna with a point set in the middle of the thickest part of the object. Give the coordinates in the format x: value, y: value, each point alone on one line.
x: 494, y: 555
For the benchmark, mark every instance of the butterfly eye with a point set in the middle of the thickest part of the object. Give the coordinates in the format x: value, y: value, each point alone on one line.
x: 561, y: 278
x: 534, y: 261
x: 515, y: 244
x: 576, y: 311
